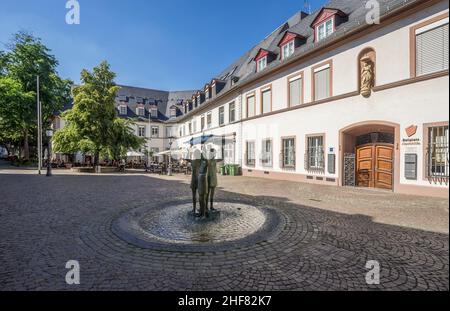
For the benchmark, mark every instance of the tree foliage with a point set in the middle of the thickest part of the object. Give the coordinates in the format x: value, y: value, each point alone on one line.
x: 26, y: 58
x: 93, y: 126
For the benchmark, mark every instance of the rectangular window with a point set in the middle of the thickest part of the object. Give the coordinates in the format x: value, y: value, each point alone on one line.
x: 209, y: 120
x: 202, y: 123
x: 141, y: 131
x: 322, y: 83
x: 154, y: 112
x: 266, y: 101
x: 123, y: 110
x: 325, y: 29
x: 315, y: 157
x: 437, y: 152
x: 173, y: 113
x: 266, y: 152
x: 250, y: 154
x: 288, y: 152
x: 250, y: 106
x: 155, y: 131
x: 288, y: 49
x: 221, y: 115
x: 295, y: 92
x: 169, y: 131
x: 432, y: 49
x: 207, y: 94
x: 232, y: 112
x: 194, y: 126
x: 190, y: 128
x: 262, y: 63
x: 140, y: 111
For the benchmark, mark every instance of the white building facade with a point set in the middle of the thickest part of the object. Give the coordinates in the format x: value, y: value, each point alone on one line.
x: 302, y: 106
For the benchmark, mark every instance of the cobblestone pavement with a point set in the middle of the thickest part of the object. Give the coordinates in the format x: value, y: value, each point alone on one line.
x: 46, y: 222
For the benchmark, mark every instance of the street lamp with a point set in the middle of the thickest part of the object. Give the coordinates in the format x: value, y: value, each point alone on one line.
x: 49, y: 133
x: 169, y: 171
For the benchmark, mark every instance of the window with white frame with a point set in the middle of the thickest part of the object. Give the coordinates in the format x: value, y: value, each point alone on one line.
x: 266, y: 100
x: 432, y: 48
x: 262, y: 63
x: 229, y: 152
x: 123, y: 110
x: 288, y: 49
x: 295, y: 91
x: 140, y: 111
x: 141, y: 131
x: 232, y: 112
x: 190, y: 128
x: 169, y: 131
x: 322, y: 82
x: 202, y: 123
x: 207, y: 94
x: 266, y: 152
x: 154, y: 112
x: 194, y: 126
x: 155, y: 131
x: 250, y: 106
x: 325, y: 29
x: 221, y: 115
x: 437, y: 152
x: 173, y: 112
x: 209, y: 120
x: 250, y: 154
x: 288, y: 152
x: 315, y: 157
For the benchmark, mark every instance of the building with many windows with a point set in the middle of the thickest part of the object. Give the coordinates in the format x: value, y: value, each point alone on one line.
x: 328, y: 98
x: 332, y: 97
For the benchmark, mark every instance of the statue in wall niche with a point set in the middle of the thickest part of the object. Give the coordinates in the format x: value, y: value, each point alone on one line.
x: 367, y: 76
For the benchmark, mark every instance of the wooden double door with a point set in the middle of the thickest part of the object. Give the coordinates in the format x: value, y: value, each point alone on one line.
x: 375, y: 166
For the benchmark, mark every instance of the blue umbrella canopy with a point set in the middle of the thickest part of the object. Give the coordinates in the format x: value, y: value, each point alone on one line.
x: 200, y: 140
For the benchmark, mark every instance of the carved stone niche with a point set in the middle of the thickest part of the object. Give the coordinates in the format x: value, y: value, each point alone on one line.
x: 367, y: 71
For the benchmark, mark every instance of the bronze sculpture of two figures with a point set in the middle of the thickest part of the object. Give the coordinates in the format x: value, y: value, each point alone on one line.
x: 203, y: 181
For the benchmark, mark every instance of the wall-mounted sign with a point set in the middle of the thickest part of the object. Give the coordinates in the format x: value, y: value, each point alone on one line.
x: 411, y: 130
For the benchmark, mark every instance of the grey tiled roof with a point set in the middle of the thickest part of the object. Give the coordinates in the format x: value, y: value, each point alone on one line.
x: 134, y: 96
x: 300, y: 23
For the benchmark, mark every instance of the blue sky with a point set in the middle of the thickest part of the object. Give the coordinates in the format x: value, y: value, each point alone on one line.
x: 161, y: 44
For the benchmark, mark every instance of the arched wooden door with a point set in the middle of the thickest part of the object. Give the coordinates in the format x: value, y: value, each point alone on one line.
x: 374, y: 166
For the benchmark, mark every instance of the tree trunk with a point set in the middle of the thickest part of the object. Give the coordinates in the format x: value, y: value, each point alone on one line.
x: 26, y: 147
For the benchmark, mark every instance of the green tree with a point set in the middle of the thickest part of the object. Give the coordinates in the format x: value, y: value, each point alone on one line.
x: 93, y: 126
x: 13, y: 114
x: 122, y: 139
x: 26, y: 58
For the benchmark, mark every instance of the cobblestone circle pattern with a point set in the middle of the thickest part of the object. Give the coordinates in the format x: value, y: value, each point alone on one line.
x: 172, y: 226
x: 47, y: 222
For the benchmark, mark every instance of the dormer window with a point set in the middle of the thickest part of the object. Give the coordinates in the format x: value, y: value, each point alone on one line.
x: 263, y: 58
x: 207, y: 93
x: 140, y: 111
x: 154, y: 111
x: 326, y: 22
x: 173, y: 112
x: 288, y: 49
x: 325, y: 29
x: 123, y: 110
x: 262, y: 64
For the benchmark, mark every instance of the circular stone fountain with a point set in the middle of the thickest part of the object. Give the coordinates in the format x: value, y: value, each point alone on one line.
x: 174, y: 228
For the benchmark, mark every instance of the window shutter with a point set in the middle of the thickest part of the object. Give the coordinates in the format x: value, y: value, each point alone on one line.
x: 266, y: 99
x: 322, y: 84
x: 432, y: 50
x: 295, y: 92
